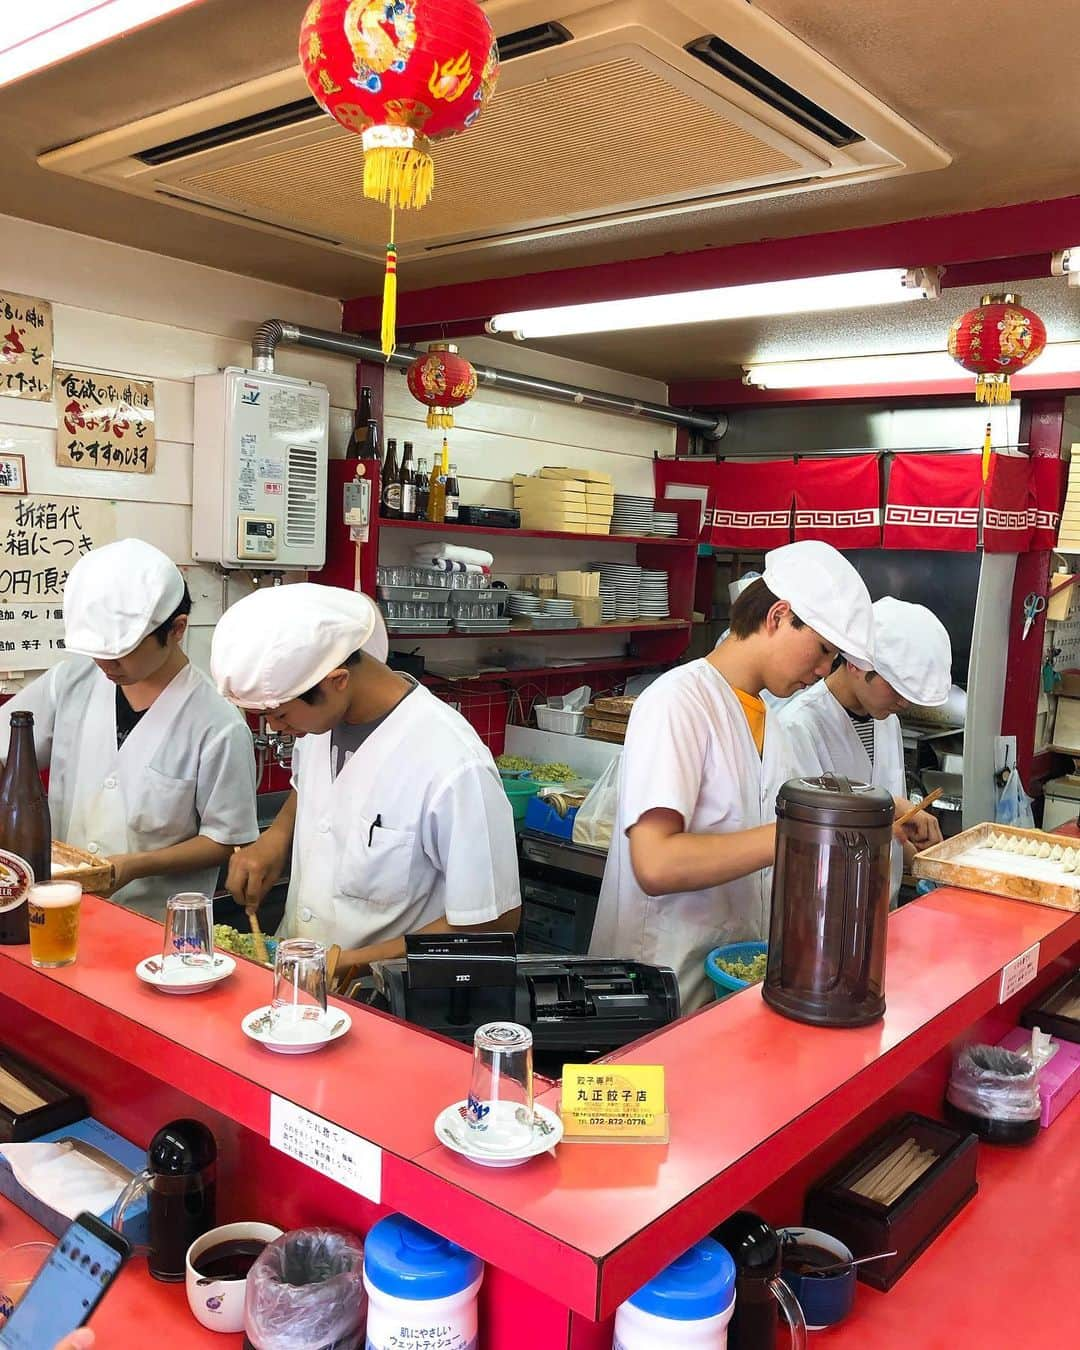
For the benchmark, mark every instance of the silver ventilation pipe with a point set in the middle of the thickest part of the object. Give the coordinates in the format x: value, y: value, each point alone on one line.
x: 269, y: 336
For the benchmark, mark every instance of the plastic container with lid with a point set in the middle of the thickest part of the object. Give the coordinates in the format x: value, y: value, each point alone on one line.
x: 686, y: 1307
x: 416, y: 1279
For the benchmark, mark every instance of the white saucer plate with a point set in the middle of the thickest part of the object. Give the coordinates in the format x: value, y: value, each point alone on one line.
x: 184, y: 979
x: 452, y: 1131
x: 306, y: 1037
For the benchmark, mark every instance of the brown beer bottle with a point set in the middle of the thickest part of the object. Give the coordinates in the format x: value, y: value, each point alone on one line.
x: 25, y: 830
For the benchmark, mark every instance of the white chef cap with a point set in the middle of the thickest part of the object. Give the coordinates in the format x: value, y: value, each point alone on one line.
x: 117, y: 595
x: 826, y: 592
x: 912, y: 652
x: 280, y: 642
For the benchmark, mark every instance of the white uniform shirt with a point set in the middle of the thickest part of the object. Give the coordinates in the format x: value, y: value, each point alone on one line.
x: 823, y: 740
x: 415, y: 827
x: 187, y: 768
x: 689, y: 749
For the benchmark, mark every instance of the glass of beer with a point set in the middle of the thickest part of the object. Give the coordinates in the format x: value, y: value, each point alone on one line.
x: 54, y: 923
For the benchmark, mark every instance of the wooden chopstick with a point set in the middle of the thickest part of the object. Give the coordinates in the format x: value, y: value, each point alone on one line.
x: 257, y: 936
x: 887, y: 1181
x: 927, y: 801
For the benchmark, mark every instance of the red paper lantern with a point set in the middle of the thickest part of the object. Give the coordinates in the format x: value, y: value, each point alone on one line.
x: 401, y: 74
x: 443, y: 380
x: 995, y: 341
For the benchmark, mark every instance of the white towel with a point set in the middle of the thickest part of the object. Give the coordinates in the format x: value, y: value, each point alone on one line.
x: 453, y: 553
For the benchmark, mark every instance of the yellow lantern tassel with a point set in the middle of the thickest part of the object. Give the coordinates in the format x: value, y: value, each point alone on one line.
x: 399, y: 175
x: 389, y: 301
x: 988, y: 450
x: 992, y: 389
x: 440, y: 419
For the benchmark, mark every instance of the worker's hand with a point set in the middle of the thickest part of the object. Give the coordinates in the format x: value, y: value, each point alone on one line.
x: 922, y: 831
x: 123, y: 872
x: 82, y: 1339
x: 253, y: 870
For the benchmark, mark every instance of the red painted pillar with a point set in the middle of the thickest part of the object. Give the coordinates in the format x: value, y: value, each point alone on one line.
x: 1041, y: 424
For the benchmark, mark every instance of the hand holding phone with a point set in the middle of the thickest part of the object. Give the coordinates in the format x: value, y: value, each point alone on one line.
x: 67, y: 1289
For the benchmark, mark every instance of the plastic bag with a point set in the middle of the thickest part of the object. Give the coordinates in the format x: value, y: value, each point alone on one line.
x: 306, y: 1292
x: 995, y: 1084
x: 595, y: 822
x: 1014, y: 805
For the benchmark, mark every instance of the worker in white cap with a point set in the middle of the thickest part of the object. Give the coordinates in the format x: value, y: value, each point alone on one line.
x: 149, y: 767
x: 397, y: 821
x: 848, y: 723
x: 691, y: 855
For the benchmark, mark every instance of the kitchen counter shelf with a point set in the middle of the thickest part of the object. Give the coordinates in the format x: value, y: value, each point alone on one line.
x: 645, y: 626
x: 663, y: 540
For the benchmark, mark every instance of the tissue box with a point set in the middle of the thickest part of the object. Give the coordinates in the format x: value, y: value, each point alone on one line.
x: 1059, y: 1081
x: 97, y: 1136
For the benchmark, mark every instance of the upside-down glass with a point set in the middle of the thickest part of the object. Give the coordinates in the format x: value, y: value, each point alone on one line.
x: 189, y: 933
x: 500, y: 1115
x: 54, y: 923
x: 299, y: 985
x: 18, y: 1266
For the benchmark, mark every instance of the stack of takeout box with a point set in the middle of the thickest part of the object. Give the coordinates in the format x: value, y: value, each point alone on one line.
x: 583, y: 588
x: 577, y: 501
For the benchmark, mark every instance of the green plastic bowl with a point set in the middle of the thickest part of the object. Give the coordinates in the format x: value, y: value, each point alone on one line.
x: 520, y: 792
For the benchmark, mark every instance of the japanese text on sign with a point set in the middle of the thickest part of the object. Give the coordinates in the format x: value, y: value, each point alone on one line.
x: 41, y: 539
x: 327, y: 1148
x: 104, y: 422
x: 26, y: 347
x: 614, y: 1101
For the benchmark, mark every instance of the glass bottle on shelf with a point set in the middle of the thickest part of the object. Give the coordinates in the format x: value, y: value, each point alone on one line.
x: 453, y: 496
x: 364, y: 441
x: 25, y: 831
x: 408, y: 484
x: 391, y: 483
x: 440, y: 470
x: 423, y: 489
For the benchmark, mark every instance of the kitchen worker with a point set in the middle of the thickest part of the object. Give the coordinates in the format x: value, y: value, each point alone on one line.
x: 691, y: 855
x: 397, y: 821
x: 848, y: 723
x: 149, y: 767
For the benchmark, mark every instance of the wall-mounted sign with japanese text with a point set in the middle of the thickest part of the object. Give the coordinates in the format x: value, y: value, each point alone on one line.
x: 104, y: 422
x: 26, y: 347
x: 41, y: 540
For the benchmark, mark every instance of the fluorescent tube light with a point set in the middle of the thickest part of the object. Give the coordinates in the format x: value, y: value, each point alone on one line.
x: 49, y: 31
x: 803, y: 295
x: 901, y: 368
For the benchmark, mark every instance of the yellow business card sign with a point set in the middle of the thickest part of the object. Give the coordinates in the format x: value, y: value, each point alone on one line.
x: 614, y: 1101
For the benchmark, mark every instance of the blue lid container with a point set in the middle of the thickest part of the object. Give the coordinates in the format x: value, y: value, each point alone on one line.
x: 406, y: 1260
x: 697, y: 1285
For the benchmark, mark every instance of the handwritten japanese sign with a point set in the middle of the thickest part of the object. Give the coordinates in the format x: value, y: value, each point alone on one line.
x: 336, y: 1153
x: 614, y: 1101
x: 104, y: 422
x: 41, y: 539
x: 26, y: 347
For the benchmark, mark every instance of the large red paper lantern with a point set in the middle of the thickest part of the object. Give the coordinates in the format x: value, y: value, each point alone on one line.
x: 994, y: 341
x: 443, y: 380
x: 401, y: 74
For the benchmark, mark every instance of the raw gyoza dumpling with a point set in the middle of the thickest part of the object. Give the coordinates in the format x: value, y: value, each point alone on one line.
x: 1044, y: 850
x: 1068, y: 860
x: 1031, y: 848
x: 1057, y: 853
x: 1015, y: 844
x: 999, y: 842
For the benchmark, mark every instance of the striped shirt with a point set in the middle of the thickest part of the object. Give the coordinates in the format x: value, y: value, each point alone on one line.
x: 864, y: 729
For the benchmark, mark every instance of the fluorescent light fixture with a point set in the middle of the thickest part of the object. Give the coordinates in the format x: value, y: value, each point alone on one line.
x: 803, y: 295
x: 1059, y: 358
x: 1067, y: 264
x: 44, y: 33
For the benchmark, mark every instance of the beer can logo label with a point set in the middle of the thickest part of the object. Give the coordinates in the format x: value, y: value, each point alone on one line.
x: 16, y: 878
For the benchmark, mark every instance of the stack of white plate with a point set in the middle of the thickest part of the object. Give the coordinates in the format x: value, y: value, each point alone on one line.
x: 665, y: 524
x: 619, y: 587
x: 559, y: 607
x: 653, y: 602
x: 632, y: 515
x: 523, y: 604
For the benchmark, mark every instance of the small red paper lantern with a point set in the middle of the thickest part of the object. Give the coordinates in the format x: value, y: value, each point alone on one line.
x: 443, y: 380
x: 995, y: 341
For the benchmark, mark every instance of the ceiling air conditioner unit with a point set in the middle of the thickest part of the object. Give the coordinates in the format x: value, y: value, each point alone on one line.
x: 606, y: 113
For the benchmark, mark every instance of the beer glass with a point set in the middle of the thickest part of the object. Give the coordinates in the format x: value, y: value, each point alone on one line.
x: 54, y: 923
x: 299, y: 985
x: 189, y: 933
x: 500, y: 1107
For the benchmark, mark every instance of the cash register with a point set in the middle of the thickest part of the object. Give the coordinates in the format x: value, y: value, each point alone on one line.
x: 578, y: 1007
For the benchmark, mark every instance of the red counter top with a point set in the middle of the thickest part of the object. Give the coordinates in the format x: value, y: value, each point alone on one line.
x: 750, y: 1093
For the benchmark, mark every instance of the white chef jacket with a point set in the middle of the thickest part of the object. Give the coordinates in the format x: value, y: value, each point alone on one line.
x: 415, y: 827
x: 823, y: 740
x: 689, y: 749
x: 186, y: 768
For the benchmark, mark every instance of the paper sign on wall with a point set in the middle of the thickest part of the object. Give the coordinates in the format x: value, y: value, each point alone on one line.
x: 338, y: 1154
x: 26, y: 347
x: 614, y: 1101
x: 41, y: 539
x: 104, y: 422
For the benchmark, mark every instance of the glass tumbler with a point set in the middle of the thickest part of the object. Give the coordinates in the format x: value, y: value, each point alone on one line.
x: 18, y: 1266
x: 500, y: 1114
x: 189, y: 933
x: 54, y: 923
x: 299, y: 1003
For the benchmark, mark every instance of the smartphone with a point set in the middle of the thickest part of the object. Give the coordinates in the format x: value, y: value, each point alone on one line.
x: 68, y: 1287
